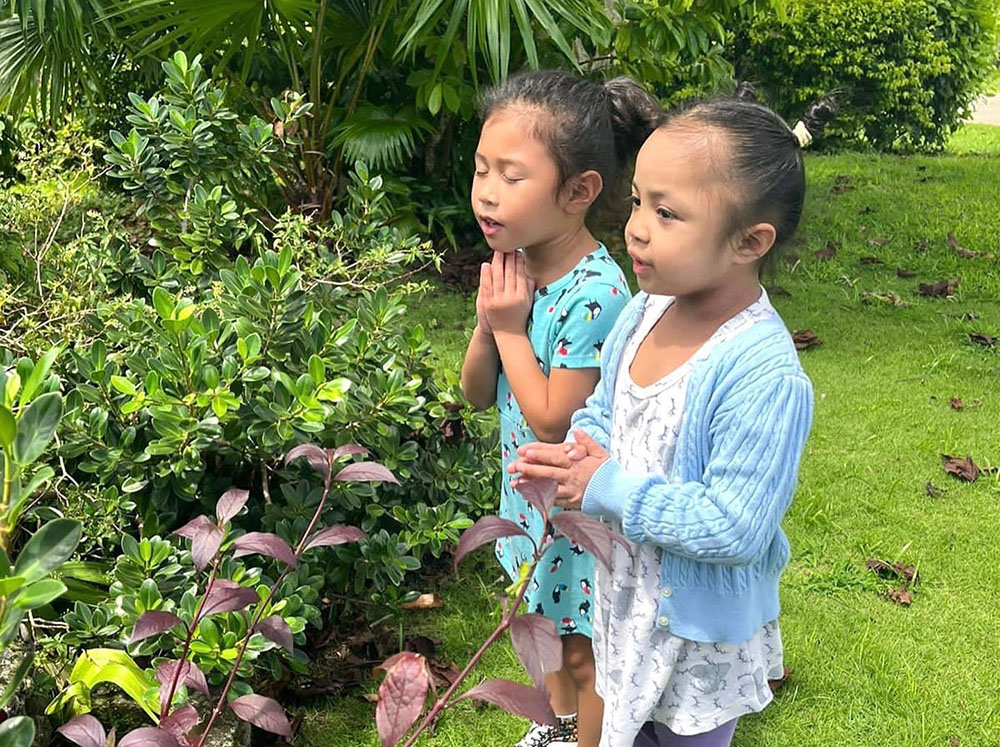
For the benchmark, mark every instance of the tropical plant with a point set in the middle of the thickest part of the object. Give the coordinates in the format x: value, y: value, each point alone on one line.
x: 177, y: 718
x: 403, y: 693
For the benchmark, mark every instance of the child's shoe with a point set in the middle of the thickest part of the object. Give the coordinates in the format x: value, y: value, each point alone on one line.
x: 542, y: 735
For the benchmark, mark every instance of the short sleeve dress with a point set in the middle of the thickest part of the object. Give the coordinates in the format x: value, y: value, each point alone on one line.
x: 569, y: 322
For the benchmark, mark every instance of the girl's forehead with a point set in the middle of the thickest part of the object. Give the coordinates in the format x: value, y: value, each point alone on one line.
x: 511, y: 130
x: 682, y: 154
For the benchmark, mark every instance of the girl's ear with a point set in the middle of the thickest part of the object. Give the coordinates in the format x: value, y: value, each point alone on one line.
x: 581, y: 191
x: 755, y: 243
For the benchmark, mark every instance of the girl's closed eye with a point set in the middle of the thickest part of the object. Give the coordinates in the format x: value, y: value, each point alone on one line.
x: 512, y: 179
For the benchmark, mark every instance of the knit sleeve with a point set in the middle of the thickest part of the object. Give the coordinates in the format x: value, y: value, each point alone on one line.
x: 732, y: 513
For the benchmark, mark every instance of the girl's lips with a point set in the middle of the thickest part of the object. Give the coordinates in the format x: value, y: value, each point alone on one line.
x: 640, y: 268
x: 490, y: 227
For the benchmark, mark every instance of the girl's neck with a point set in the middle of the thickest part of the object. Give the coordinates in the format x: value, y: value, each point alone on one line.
x: 716, y: 306
x: 549, y: 261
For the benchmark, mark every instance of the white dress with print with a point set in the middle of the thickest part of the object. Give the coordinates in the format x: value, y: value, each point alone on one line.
x: 645, y: 673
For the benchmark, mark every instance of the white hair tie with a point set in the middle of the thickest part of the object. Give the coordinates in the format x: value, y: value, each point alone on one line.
x: 802, y: 134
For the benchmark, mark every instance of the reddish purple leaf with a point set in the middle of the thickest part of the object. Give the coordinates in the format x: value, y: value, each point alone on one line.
x: 191, y: 676
x: 153, y: 623
x: 265, y: 543
x: 539, y: 492
x: 348, y: 450
x: 537, y: 645
x: 365, y: 472
x: 487, y: 529
x: 230, y: 504
x: 513, y: 697
x: 190, y: 530
x: 318, y: 459
x: 227, y: 596
x: 335, y: 535
x: 206, y: 538
x: 263, y: 713
x: 84, y: 730
x: 401, y: 696
x: 149, y: 736
x: 276, y: 630
x: 589, y: 533
x: 181, y: 721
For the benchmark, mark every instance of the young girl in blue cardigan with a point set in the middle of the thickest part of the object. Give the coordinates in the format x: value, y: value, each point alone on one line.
x: 690, y: 444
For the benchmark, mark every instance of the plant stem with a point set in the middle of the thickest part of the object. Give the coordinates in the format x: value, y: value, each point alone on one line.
x: 223, y: 696
x: 165, y: 707
x: 8, y: 486
x: 505, y: 623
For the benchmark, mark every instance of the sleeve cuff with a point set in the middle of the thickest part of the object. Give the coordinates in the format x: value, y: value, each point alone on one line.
x: 608, y: 490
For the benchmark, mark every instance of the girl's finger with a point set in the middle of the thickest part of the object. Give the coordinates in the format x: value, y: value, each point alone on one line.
x: 549, y: 457
x: 486, y: 280
x: 520, y: 284
x: 497, y: 286
x: 539, y: 446
x: 530, y: 471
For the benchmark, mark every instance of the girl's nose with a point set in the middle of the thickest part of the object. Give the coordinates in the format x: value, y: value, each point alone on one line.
x: 635, y: 230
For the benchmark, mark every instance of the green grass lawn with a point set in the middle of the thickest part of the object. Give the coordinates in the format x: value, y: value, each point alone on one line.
x: 865, y: 671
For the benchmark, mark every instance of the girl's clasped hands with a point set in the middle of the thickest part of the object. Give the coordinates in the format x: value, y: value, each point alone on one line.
x: 571, y: 465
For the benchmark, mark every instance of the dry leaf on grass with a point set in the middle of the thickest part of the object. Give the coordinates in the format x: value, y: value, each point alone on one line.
x: 805, y: 339
x: 960, y: 250
x: 878, y: 241
x: 963, y: 469
x: 424, y: 602
x: 901, y: 596
x: 842, y: 183
x: 940, y: 289
x: 934, y: 491
x: 956, y: 403
x: 871, y: 261
x: 905, y: 274
x: 981, y: 338
x: 828, y: 252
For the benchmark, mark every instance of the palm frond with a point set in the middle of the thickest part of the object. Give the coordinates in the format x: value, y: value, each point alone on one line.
x: 379, y: 138
x: 48, y: 49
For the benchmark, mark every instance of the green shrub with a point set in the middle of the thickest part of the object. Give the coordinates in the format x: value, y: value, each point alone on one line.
x: 909, y: 69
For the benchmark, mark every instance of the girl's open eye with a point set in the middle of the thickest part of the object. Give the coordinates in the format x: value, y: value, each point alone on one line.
x: 633, y: 201
x: 665, y: 214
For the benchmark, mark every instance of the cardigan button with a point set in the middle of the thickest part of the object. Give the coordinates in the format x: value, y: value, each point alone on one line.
x: 664, y: 621
x: 666, y: 592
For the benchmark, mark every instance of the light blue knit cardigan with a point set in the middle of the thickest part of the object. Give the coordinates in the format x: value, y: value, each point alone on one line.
x: 716, y: 515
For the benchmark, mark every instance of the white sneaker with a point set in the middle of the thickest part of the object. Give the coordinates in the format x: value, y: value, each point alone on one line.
x: 542, y: 735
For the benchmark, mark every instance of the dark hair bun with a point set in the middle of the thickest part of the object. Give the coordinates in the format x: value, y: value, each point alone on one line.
x: 820, y: 112
x: 746, y: 91
x: 634, y: 115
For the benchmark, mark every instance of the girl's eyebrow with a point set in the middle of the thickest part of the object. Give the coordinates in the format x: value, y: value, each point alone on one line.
x: 502, y: 162
x: 654, y: 195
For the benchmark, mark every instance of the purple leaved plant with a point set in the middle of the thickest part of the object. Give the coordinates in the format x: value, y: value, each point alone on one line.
x: 179, y: 727
x: 402, y: 695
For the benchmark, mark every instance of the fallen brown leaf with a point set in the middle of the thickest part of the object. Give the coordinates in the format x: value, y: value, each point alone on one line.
x: 956, y: 403
x: 424, y: 602
x: 954, y: 741
x: 901, y: 596
x: 934, y: 491
x: 885, y: 569
x: 981, y: 338
x: 777, y: 682
x: 871, y: 261
x: 940, y: 289
x: 805, y: 339
x: 901, y: 273
x: 878, y: 241
x: 963, y: 469
x: 960, y: 250
x: 841, y: 184
x: 828, y: 252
